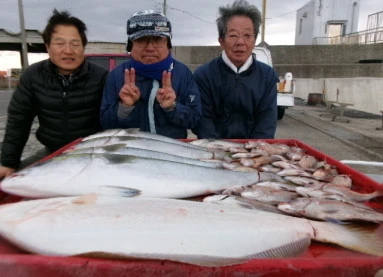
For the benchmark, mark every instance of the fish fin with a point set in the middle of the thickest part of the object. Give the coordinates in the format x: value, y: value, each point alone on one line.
x: 292, y: 249
x: 335, y: 221
x: 118, y: 191
x: 365, y: 238
x: 201, y: 260
x: 113, y: 147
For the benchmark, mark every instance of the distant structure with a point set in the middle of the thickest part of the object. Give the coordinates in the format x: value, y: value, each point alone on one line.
x: 375, y: 21
x: 326, y: 19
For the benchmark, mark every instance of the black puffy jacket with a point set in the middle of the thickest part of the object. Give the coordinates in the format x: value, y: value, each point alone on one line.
x: 64, y: 113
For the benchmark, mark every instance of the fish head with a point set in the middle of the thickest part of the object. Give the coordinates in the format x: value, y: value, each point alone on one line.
x: 44, y: 176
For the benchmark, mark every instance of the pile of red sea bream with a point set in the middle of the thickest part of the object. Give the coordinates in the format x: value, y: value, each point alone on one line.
x: 134, y: 188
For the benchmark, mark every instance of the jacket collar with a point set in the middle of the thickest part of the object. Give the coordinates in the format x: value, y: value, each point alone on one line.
x: 243, y: 68
x: 51, y: 67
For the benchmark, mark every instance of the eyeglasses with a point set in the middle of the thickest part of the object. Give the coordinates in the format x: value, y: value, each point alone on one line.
x: 157, y: 42
x: 236, y: 37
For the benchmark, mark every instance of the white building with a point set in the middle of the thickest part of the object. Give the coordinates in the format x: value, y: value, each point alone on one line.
x: 322, y: 19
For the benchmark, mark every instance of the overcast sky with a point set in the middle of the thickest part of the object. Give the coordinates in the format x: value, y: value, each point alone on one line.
x: 193, y: 21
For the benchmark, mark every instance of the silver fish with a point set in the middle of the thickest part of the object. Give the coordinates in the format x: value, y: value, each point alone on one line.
x: 233, y: 200
x: 302, y: 181
x: 135, y: 133
x: 316, y: 192
x: 121, y: 149
x: 325, y: 209
x: 278, y: 185
x: 262, y: 194
x: 294, y: 172
x: 350, y: 194
x: 285, y: 165
x: 167, y: 229
x: 122, y: 175
x: 237, y: 166
x: 218, y: 144
x: 183, y: 150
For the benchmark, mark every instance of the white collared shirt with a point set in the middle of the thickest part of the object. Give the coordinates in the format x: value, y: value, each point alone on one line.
x: 244, y: 67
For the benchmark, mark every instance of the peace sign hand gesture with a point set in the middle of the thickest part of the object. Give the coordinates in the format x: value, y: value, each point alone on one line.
x: 129, y: 93
x: 166, y: 95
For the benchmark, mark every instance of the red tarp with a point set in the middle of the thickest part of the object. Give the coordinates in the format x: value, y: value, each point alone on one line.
x: 320, y: 260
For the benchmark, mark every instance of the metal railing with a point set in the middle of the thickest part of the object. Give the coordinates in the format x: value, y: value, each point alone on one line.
x: 371, y: 36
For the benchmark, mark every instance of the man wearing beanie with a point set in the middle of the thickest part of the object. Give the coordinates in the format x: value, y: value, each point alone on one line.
x: 151, y: 90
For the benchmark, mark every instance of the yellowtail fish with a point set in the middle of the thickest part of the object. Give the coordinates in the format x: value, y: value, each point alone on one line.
x: 123, y: 175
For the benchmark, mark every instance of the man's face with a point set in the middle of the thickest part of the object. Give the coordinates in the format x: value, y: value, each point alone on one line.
x: 150, y: 49
x: 65, y: 49
x: 239, y: 39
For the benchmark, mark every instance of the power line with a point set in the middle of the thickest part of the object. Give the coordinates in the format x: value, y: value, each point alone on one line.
x: 164, y: 6
x: 288, y: 12
x: 189, y: 13
x: 281, y: 15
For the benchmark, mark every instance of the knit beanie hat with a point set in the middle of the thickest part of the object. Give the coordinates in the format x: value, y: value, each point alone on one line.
x: 148, y: 23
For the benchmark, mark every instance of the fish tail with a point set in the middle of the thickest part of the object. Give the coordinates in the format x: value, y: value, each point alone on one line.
x: 364, y: 238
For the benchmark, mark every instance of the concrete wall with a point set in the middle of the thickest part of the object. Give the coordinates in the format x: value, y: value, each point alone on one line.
x: 366, y: 94
x: 305, y: 61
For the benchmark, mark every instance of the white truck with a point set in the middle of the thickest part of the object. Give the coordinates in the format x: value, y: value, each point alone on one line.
x: 286, y: 86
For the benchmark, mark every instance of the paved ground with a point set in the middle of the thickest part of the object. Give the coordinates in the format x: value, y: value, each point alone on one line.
x: 358, y: 129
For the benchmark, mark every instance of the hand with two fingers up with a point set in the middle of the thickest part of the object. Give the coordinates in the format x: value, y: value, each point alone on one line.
x: 166, y: 95
x: 129, y: 93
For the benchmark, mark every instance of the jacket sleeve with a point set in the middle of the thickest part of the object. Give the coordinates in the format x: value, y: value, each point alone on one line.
x: 266, y: 115
x: 21, y: 113
x: 206, y: 128
x: 188, y: 112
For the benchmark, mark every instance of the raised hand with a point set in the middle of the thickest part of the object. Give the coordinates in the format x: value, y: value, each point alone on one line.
x: 129, y: 93
x: 166, y: 95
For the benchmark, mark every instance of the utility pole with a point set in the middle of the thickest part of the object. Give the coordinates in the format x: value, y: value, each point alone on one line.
x: 263, y: 20
x: 164, y: 7
x: 24, y: 47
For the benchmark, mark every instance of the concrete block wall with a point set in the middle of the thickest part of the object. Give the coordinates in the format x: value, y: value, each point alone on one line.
x: 331, y: 70
x: 325, y: 54
x: 305, y: 61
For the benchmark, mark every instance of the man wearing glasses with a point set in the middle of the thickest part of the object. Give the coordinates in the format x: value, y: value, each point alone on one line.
x: 238, y: 93
x: 151, y: 91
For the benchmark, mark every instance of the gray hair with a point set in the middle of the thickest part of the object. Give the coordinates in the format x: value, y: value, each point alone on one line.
x: 238, y: 8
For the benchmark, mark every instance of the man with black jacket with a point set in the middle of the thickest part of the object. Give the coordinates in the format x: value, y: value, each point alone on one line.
x: 64, y: 92
x: 238, y: 93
